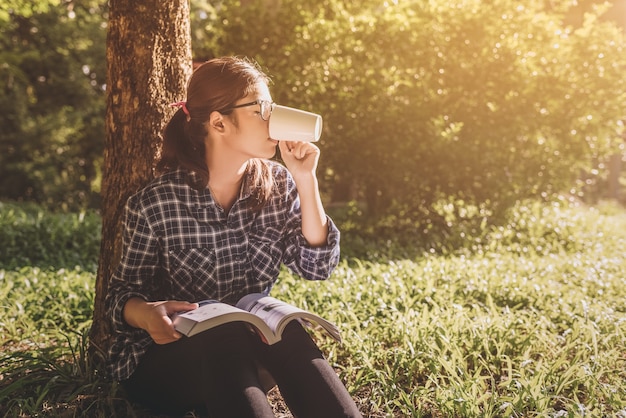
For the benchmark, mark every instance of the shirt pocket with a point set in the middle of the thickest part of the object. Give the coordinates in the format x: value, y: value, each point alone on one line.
x: 265, y: 255
x: 192, y: 271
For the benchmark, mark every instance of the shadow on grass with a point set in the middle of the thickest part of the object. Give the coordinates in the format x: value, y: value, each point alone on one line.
x: 60, y: 382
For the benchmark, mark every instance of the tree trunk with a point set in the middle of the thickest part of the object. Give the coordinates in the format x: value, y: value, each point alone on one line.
x: 148, y: 65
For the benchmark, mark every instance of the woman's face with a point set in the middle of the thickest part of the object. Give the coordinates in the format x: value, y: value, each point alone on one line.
x: 251, y: 133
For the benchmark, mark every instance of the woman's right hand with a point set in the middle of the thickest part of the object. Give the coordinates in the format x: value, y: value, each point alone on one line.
x: 156, y: 317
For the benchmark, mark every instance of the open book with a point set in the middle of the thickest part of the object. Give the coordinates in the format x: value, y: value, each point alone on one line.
x: 267, y: 315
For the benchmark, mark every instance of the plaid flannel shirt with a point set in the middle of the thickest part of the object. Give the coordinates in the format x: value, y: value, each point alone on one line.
x: 180, y: 245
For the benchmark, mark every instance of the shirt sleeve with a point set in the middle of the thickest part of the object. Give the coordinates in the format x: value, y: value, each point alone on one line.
x: 138, y: 266
x: 311, y: 263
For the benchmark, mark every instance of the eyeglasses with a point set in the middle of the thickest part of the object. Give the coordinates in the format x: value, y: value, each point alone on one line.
x: 266, y: 108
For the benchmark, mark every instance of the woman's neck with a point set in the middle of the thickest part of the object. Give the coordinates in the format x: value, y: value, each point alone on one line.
x: 225, y: 181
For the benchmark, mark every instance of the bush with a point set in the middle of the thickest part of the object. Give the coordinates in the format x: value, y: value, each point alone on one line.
x: 455, y: 227
x: 31, y: 236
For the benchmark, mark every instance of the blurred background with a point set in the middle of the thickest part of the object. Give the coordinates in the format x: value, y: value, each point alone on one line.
x: 434, y: 111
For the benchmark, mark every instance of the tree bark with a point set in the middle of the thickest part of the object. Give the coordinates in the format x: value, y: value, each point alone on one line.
x: 148, y: 64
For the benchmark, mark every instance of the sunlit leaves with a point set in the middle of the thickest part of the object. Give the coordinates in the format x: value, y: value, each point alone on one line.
x: 491, y: 102
x: 26, y: 8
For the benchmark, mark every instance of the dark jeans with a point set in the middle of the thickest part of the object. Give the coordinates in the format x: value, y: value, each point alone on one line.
x: 216, y: 373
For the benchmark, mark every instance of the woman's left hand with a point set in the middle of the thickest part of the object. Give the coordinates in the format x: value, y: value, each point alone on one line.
x: 301, y: 158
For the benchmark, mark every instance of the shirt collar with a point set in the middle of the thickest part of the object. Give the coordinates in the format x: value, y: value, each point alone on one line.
x: 244, y: 192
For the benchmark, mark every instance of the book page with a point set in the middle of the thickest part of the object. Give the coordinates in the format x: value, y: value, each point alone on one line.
x: 207, y: 310
x: 271, y: 310
x: 276, y: 314
x: 212, y: 313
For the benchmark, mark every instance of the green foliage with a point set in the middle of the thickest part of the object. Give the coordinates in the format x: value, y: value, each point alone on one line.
x: 456, y: 227
x: 52, y: 103
x: 423, y: 101
x: 529, y: 321
x: 31, y: 236
x: 25, y: 8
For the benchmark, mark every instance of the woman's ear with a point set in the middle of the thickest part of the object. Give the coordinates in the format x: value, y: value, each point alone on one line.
x: 216, y: 122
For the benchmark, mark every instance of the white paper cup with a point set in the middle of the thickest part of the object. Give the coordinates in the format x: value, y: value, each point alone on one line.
x: 290, y: 124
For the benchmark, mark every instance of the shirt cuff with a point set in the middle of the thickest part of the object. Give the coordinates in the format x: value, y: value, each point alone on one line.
x: 119, y: 323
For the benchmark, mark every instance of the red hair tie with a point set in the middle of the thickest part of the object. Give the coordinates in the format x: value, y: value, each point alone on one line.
x: 182, y: 105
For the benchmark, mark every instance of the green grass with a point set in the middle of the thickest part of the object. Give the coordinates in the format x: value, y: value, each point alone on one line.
x: 527, y: 319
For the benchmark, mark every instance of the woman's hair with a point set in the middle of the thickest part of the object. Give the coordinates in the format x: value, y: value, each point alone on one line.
x: 215, y: 85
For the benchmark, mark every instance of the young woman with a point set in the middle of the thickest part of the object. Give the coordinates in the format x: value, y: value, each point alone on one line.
x: 217, y: 223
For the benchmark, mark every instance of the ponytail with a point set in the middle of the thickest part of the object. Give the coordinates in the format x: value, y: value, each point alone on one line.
x: 214, y: 85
